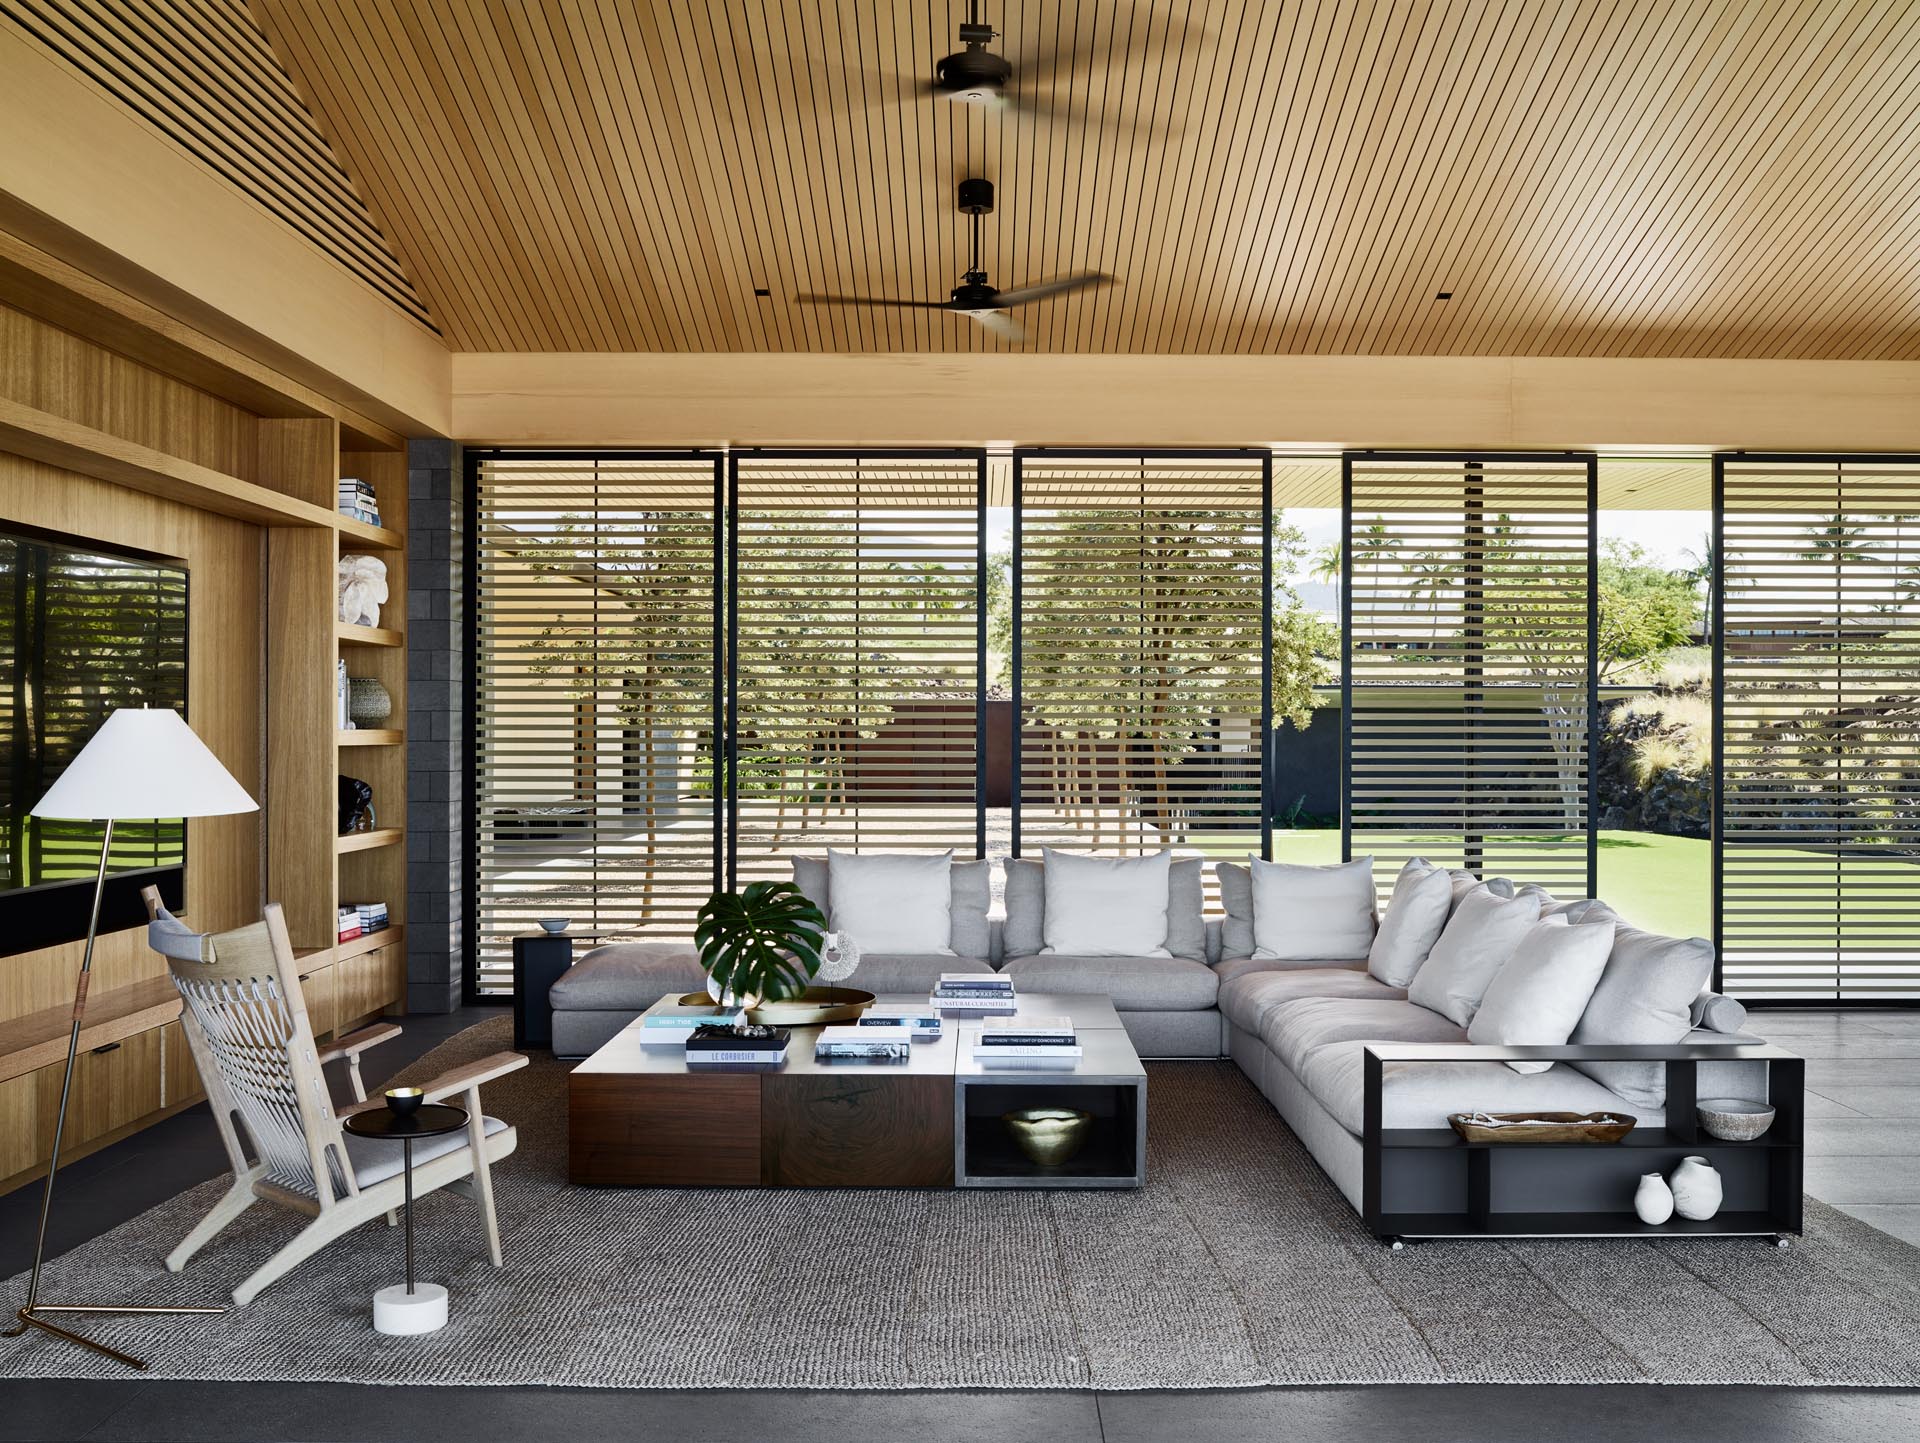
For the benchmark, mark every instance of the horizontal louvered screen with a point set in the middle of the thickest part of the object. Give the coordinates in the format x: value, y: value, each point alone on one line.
x: 1140, y: 609
x: 82, y: 634
x: 1468, y: 654
x: 1818, y: 844
x: 597, y: 609
x: 857, y: 629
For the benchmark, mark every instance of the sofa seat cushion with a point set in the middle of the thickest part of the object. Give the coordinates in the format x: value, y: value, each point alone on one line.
x: 1136, y: 984
x: 1422, y: 1094
x: 1246, y: 997
x: 628, y: 976
x: 916, y: 972
x: 1295, y: 1029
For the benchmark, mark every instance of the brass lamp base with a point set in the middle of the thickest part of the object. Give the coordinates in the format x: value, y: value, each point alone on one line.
x: 30, y: 1318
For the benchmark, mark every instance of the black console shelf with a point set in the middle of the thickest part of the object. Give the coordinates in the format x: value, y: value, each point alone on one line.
x: 1431, y: 1183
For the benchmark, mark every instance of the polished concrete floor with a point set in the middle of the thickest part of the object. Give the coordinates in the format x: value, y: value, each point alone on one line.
x: 1863, y: 1074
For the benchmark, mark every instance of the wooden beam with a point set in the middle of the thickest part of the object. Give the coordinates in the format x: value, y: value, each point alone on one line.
x: 83, y: 180
x: 1510, y: 403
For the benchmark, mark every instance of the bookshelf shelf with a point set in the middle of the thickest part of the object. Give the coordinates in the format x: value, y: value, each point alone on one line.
x: 367, y: 841
x: 372, y: 737
x: 349, y: 635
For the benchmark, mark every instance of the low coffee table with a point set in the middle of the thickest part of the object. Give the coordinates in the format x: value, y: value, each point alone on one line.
x: 640, y: 1117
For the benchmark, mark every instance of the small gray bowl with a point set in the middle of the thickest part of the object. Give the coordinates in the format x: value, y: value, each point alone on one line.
x: 555, y: 924
x: 1734, y: 1119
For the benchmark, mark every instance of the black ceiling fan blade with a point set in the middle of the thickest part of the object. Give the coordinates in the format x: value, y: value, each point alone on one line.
x: 873, y: 89
x: 1059, y: 286
x: 1115, y: 44
x: 818, y: 300
x: 1078, y: 114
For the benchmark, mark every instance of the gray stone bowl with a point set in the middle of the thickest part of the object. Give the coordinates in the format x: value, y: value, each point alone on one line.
x: 1734, y: 1119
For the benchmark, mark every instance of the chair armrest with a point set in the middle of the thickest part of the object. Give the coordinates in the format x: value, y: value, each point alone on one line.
x: 355, y: 1043
x: 469, y: 1078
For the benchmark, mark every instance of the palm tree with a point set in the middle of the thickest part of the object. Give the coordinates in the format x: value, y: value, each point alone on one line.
x: 1327, y: 568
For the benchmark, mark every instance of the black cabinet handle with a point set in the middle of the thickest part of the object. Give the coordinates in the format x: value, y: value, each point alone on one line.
x: 110, y: 1047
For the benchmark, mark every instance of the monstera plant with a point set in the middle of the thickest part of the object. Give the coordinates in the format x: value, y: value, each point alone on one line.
x: 762, y: 944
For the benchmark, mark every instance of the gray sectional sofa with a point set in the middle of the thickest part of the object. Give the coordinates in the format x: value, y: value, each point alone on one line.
x: 1297, y: 1028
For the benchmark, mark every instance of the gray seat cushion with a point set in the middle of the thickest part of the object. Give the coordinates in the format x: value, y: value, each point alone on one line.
x: 375, y: 1159
x: 1247, y: 997
x: 628, y: 976
x: 1026, y: 903
x: 1422, y: 1094
x: 1136, y: 984
x: 1295, y: 1029
x: 909, y: 972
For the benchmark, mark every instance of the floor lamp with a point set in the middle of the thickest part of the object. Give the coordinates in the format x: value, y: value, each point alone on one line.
x: 142, y: 764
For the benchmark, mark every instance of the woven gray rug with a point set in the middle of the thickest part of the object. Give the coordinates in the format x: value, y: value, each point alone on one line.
x: 1237, y: 1266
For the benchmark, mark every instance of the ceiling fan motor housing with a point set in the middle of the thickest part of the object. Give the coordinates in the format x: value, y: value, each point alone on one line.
x: 976, y: 197
x: 974, y: 76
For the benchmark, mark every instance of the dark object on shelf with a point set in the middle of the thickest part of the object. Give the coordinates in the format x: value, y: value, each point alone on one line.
x: 538, y: 963
x: 1526, y: 1127
x: 404, y: 1101
x: 356, y: 806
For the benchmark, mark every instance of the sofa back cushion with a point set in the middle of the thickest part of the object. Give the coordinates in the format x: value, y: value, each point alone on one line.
x: 1479, y: 938
x: 1024, y: 932
x: 1536, y: 999
x: 1416, y: 915
x: 1305, y: 914
x: 970, y: 896
x: 892, y: 902
x: 1645, y: 996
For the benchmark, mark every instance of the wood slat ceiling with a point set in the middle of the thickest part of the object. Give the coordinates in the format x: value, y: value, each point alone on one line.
x: 201, y: 73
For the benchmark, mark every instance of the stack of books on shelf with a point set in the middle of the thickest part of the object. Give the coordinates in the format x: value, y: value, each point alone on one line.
x: 357, y: 501
x: 863, y: 1044
x: 673, y: 1025
x: 1026, y: 1041
x: 737, y: 1044
x: 922, y: 1022
x: 975, y: 994
x: 372, y: 916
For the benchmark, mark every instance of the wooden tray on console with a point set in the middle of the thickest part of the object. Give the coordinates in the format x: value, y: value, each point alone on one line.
x: 1535, y: 1127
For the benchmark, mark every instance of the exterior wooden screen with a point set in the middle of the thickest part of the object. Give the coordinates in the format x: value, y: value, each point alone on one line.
x: 1141, y: 612
x: 857, y: 587
x: 1470, y: 688
x: 1817, y: 835
x: 597, y: 607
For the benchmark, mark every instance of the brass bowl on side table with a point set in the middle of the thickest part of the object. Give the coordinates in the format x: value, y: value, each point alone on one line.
x: 816, y: 1007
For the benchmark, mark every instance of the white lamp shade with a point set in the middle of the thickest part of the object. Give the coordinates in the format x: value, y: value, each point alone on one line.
x: 144, y: 762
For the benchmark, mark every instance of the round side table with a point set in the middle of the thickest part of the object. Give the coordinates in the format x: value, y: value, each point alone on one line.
x: 408, y: 1308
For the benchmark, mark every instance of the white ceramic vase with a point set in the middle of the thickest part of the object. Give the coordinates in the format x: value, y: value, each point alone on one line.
x: 1653, y: 1199
x: 1696, y: 1189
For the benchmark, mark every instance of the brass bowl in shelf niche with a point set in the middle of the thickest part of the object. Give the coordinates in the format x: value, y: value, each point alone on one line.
x: 1048, y: 1135
x: 816, y: 1007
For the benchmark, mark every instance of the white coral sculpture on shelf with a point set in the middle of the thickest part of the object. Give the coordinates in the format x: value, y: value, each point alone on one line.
x: 362, y: 589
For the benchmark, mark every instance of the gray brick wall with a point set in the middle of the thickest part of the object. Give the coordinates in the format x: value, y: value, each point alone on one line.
x: 436, y: 678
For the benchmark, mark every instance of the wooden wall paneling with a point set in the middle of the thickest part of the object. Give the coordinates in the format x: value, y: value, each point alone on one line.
x: 300, y: 457
x: 179, y: 1076
x: 301, y: 716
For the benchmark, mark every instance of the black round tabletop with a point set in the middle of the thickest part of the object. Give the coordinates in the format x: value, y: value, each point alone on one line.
x: 430, y: 1120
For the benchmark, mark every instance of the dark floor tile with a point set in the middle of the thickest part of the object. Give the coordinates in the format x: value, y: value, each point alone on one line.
x: 58, y: 1408
x: 1474, y: 1414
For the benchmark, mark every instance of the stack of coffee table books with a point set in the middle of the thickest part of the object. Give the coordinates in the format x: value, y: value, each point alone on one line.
x: 737, y: 1045
x: 974, y: 994
x: 673, y: 1023
x: 1026, y: 1042
x: 863, y: 1044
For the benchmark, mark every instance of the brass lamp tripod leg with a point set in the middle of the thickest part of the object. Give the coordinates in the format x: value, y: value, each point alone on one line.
x: 30, y: 1315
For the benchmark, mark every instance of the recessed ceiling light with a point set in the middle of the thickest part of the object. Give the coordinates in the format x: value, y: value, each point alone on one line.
x: 1444, y: 296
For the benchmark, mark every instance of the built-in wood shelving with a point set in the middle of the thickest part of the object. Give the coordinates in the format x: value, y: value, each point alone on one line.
x: 376, y: 538
x: 367, y: 841
x: 39, y: 1039
x: 349, y: 635
x: 372, y: 737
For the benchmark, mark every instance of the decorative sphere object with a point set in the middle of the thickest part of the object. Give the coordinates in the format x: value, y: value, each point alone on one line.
x: 368, y: 701
x: 1735, y: 1119
x: 1048, y: 1135
x: 839, y: 957
x: 1697, y: 1191
x: 554, y: 924
x: 1653, y: 1199
x: 405, y: 1101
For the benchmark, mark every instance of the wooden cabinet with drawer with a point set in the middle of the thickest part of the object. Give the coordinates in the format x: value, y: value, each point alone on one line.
x: 179, y: 1075
x: 113, y: 1086
x: 318, y: 987
x: 369, y: 984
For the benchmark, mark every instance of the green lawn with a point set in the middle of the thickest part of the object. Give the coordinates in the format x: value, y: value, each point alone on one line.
x: 1660, y: 883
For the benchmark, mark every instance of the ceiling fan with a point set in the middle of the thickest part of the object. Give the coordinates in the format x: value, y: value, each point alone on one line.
x: 974, y: 297
x: 975, y: 75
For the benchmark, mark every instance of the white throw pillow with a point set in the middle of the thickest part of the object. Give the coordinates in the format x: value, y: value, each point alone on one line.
x: 1476, y: 944
x: 1312, y: 914
x: 892, y: 902
x: 1415, y: 917
x: 1106, y: 906
x: 1536, y: 1000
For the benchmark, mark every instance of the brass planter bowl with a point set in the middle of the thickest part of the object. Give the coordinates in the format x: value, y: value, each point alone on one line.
x: 1048, y: 1135
x: 816, y: 1007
